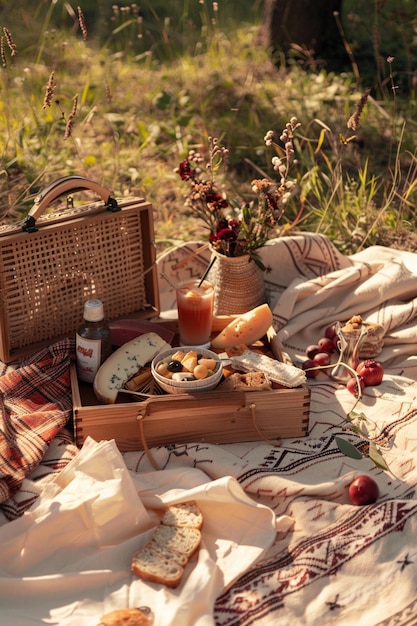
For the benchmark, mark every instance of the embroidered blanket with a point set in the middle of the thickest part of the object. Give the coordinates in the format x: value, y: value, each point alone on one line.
x: 327, y: 561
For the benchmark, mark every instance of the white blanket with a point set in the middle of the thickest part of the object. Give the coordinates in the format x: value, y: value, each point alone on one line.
x: 67, y: 560
x: 282, y: 544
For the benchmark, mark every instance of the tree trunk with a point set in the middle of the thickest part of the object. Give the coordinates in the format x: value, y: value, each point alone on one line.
x: 303, y: 27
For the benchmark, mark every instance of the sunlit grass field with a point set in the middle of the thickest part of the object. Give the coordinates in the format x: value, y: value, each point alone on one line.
x: 124, y: 103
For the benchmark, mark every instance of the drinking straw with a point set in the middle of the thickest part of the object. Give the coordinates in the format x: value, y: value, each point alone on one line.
x: 204, y: 276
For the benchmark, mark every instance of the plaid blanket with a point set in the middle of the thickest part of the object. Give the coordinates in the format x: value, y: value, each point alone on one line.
x: 36, y: 405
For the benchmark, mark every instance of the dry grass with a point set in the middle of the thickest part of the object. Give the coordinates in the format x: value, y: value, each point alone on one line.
x: 71, y: 107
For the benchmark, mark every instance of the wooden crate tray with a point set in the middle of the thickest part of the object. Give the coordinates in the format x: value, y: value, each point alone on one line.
x: 212, y: 417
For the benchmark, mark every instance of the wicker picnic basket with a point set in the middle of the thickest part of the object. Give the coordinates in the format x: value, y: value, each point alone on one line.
x: 59, y: 257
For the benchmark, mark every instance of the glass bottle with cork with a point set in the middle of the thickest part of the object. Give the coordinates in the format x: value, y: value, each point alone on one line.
x: 93, y: 341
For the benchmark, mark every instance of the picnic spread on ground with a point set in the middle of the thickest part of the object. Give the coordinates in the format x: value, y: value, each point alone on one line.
x: 280, y: 540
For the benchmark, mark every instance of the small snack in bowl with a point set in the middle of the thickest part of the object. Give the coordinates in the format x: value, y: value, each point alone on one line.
x: 185, y: 370
x: 373, y: 341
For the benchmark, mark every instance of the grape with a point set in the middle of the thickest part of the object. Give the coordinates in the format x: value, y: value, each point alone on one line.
x: 330, y: 332
x: 312, y: 373
x: 312, y: 350
x: 326, y: 345
x: 322, y: 358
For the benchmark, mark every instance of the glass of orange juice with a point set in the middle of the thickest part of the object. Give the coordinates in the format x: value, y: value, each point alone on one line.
x: 195, y: 312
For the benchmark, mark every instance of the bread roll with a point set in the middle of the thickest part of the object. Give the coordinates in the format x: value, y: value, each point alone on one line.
x: 125, y: 617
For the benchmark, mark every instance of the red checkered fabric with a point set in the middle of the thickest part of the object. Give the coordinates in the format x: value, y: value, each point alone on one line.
x: 36, y: 405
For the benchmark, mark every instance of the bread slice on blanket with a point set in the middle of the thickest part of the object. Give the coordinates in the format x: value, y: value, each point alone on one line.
x: 168, y: 553
x: 183, y: 540
x: 173, y: 543
x: 183, y: 514
x: 151, y: 565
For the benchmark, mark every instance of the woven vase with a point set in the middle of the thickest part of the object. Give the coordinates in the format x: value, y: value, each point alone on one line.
x: 238, y: 284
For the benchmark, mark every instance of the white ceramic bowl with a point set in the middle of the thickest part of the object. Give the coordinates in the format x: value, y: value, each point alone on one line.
x: 188, y: 386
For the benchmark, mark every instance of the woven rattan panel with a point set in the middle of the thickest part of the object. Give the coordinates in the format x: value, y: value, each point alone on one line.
x: 49, y: 274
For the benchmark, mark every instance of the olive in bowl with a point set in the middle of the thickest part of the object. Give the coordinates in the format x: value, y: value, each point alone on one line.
x: 187, y: 370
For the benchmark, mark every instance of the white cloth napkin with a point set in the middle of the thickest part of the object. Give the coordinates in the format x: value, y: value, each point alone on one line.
x: 67, y: 560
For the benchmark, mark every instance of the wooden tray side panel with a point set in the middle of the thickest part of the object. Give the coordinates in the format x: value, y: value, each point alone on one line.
x: 212, y: 417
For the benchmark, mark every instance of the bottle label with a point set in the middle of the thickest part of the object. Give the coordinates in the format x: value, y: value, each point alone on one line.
x: 88, y: 354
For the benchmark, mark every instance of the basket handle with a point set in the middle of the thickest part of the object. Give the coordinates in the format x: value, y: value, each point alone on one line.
x: 59, y: 188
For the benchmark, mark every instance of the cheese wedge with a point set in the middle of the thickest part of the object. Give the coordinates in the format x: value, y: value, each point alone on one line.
x: 124, y: 363
x: 245, y: 329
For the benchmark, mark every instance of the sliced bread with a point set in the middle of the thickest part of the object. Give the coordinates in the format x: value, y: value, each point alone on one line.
x: 184, y: 540
x: 168, y: 553
x: 175, y: 540
x: 152, y: 566
x: 183, y: 514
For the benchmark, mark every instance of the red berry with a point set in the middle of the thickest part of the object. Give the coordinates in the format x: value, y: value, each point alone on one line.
x: 326, y: 345
x: 363, y: 490
x: 312, y: 350
x: 322, y: 358
x: 371, y: 371
x: 352, y: 386
x: 310, y: 373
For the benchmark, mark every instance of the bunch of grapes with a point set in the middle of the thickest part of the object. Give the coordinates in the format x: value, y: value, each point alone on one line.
x: 319, y: 357
x: 319, y: 354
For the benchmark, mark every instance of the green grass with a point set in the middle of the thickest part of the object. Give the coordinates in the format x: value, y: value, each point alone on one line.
x: 143, y: 102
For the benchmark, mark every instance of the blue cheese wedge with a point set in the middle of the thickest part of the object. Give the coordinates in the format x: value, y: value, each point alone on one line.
x: 124, y: 363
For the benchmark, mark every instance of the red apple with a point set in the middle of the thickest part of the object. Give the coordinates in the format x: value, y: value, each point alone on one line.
x: 371, y: 371
x: 352, y: 386
x: 363, y: 490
